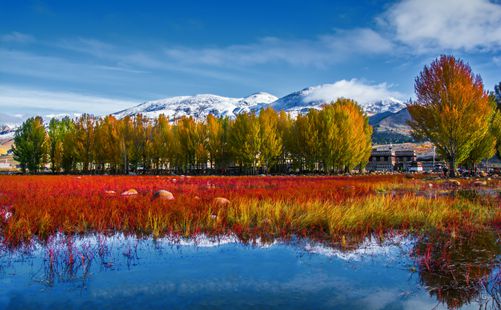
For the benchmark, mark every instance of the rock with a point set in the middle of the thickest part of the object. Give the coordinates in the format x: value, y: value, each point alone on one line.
x: 163, y: 194
x: 454, y: 183
x: 130, y: 192
x: 221, y: 201
x: 480, y: 183
x: 5, y: 213
x: 110, y: 193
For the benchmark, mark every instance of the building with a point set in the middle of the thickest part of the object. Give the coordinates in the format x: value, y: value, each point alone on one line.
x: 404, y: 159
x: 390, y: 160
x: 382, y: 160
x: 4, y: 164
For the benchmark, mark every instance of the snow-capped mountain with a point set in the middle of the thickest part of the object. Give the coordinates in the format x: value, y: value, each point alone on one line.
x: 314, y: 97
x: 199, y: 106
x: 9, y: 122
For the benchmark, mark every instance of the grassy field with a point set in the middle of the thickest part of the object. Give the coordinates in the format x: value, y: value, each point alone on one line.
x: 326, y: 208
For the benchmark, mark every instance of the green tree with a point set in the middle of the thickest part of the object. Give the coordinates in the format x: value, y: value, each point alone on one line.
x: 108, y: 144
x: 452, y: 109
x: 187, y: 137
x: 271, y: 139
x: 344, y: 136
x: 285, y: 125
x: 85, y: 139
x: 70, y: 151
x: 162, y: 146
x: 245, y: 140
x: 214, y: 134
x: 31, y: 145
x: 57, y: 131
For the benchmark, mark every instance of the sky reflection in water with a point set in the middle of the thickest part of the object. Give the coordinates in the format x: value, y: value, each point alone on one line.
x: 123, y: 272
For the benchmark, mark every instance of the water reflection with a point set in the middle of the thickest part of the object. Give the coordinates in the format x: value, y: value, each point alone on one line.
x: 460, y: 269
x: 365, y: 273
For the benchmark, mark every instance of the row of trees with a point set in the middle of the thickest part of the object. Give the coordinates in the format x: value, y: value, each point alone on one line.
x: 336, y: 138
x: 456, y: 113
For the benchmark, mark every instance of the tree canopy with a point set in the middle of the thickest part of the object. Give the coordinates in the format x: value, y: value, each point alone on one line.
x: 453, y: 111
x: 31, y: 145
x: 333, y: 139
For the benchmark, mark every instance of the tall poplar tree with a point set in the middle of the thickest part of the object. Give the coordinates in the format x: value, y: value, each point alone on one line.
x: 271, y: 139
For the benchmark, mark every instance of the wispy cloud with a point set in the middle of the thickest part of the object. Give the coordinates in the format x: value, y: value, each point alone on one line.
x: 13, y: 98
x: 497, y: 60
x: 17, y: 37
x: 124, y: 58
x: 409, y: 27
x: 430, y: 25
x: 86, y: 45
x: 318, y: 52
x: 57, y: 68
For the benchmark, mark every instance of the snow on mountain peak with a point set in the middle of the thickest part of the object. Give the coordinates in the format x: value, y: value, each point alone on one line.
x: 199, y: 106
x: 372, y: 98
x: 258, y: 98
x: 368, y: 96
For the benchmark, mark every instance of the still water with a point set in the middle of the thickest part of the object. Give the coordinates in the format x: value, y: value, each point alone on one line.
x: 118, y: 272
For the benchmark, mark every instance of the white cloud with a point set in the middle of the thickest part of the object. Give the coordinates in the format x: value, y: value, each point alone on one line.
x: 320, y: 51
x: 17, y: 37
x: 34, y: 101
x: 428, y: 25
x: 354, y: 89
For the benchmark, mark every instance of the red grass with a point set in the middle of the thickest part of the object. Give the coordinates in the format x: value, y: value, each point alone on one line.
x: 44, y: 205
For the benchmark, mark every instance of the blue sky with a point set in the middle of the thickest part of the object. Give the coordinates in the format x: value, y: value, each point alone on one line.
x: 102, y: 56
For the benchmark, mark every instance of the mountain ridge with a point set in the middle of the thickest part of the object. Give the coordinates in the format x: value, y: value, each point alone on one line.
x: 298, y: 102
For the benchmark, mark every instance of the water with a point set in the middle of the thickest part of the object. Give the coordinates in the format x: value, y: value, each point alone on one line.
x: 118, y: 272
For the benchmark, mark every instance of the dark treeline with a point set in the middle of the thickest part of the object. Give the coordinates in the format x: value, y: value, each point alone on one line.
x: 334, y: 139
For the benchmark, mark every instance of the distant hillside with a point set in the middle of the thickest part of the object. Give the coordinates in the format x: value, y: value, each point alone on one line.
x: 391, y: 127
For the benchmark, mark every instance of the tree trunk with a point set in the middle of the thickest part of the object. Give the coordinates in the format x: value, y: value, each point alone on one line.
x: 452, y: 167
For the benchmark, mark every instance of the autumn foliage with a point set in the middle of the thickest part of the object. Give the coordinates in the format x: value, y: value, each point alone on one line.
x: 453, y: 111
x: 336, y: 138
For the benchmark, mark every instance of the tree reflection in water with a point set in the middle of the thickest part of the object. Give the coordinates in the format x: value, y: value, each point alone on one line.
x: 460, y: 269
x: 456, y: 270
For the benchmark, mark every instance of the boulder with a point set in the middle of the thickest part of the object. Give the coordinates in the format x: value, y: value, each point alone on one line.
x: 130, y: 192
x: 221, y: 201
x: 163, y: 194
x: 5, y: 213
x: 480, y: 183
